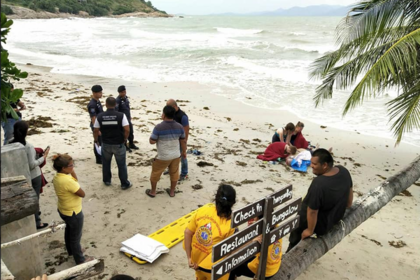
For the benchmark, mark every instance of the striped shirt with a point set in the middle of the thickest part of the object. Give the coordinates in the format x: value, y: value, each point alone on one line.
x: 167, y: 134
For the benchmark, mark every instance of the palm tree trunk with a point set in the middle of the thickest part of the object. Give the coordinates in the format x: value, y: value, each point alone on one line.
x: 309, y: 250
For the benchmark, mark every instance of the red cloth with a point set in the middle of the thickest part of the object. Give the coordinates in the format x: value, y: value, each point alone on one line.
x: 40, y: 152
x: 273, y: 152
x: 300, y: 141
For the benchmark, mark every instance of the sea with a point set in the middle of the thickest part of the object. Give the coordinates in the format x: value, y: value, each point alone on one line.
x: 262, y: 61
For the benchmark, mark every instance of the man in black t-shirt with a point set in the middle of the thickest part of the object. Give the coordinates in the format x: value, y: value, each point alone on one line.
x: 327, y: 199
x: 94, y: 108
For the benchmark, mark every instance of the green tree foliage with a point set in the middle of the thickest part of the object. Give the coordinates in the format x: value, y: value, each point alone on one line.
x: 379, y: 43
x: 9, y: 72
x: 6, y: 10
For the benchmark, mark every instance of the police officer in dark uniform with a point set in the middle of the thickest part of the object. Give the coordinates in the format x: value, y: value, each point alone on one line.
x: 123, y: 106
x: 94, y: 108
x: 115, y: 130
x: 182, y: 118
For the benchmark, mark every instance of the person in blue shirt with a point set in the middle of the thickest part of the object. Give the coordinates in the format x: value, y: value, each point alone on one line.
x: 123, y: 106
x: 182, y: 118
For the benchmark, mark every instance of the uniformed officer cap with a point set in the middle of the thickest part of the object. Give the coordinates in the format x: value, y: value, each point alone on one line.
x: 121, y: 88
x: 96, y: 88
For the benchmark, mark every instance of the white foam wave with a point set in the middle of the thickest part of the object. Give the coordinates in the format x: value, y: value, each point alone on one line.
x: 238, y: 32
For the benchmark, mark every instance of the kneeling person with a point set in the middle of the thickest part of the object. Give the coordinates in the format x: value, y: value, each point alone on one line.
x: 169, y: 136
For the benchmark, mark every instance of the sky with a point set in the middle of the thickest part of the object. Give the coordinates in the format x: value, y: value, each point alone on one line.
x: 205, y: 7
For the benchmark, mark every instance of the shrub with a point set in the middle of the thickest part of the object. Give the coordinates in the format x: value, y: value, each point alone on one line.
x: 123, y: 10
x: 6, y: 10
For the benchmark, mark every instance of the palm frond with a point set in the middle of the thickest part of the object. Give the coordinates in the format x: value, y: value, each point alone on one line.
x: 398, y: 62
x: 369, y: 17
x: 406, y: 108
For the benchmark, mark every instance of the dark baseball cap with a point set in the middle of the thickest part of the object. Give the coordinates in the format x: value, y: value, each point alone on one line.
x: 96, y: 88
x: 121, y: 88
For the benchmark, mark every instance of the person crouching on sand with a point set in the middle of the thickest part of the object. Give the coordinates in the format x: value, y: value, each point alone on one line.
x: 284, y: 134
x: 209, y: 226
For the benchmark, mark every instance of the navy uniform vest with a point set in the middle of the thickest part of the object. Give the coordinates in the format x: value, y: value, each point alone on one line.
x: 111, y: 127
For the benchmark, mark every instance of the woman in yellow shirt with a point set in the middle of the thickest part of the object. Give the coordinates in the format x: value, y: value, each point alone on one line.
x: 209, y: 226
x: 69, y: 194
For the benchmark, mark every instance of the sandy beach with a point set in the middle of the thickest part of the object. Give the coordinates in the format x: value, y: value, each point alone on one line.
x: 230, y: 135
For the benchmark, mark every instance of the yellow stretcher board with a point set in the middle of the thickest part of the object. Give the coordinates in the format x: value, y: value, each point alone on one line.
x: 169, y: 235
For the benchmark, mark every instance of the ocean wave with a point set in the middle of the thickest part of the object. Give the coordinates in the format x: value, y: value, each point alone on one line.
x: 297, y: 33
x: 238, y: 32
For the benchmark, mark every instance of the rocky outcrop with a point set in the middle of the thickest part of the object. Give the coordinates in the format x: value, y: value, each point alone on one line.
x: 25, y: 13
x: 142, y: 14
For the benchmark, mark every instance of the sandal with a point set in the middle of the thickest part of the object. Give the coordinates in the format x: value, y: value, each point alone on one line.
x: 148, y: 193
x: 169, y: 192
x: 43, y: 225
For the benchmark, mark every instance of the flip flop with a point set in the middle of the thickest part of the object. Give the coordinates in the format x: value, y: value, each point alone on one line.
x: 43, y: 225
x: 148, y: 193
x: 169, y: 192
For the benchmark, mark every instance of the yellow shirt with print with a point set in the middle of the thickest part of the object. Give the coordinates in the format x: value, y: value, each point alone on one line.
x: 209, y: 229
x: 273, y: 259
x: 65, y: 187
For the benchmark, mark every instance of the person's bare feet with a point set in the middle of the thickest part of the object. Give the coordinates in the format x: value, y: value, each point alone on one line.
x: 330, y: 149
x: 88, y: 259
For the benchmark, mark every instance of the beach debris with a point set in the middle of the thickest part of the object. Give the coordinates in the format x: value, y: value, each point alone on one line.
x: 357, y: 164
x: 241, y: 163
x: 244, y: 141
x: 405, y: 193
x: 182, y: 101
x: 217, y: 156
x: 359, y: 193
x: 246, y: 181
x: 231, y: 183
x: 40, y: 122
x: 269, y: 125
x: 323, y: 126
x: 269, y: 189
x: 28, y: 63
x: 248, y: 97
x: 34, y: 131
x: 60, y: 130
x: 256, y: 140
x: 229, y: 119
x: 397, y: 244
x: 373, y: 240
x: 197, y: 187
x: 380, y: 176
x: 122, y: 212
x: 204, y: 163
x: 235, y: 129
x: 42, y: 94
x: 206, y: 108
x: 245, y: 200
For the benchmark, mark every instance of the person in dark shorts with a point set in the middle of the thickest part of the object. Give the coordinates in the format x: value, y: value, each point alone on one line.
x: 123, y: 106
x: 284, y: 134
x: 329, y: 194
x: 94, y: 108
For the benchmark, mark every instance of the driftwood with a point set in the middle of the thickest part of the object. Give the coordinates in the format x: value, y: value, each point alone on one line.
x: 53, y: 228
x: 18, y: 199
x: 81, y: 271
x: 5, y: 273
x: 309, y: 250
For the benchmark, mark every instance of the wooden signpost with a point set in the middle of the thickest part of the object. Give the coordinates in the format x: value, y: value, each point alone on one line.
x: 240, y: 247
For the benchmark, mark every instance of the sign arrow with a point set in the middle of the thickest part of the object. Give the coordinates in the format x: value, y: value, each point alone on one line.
x: 220, y: 271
